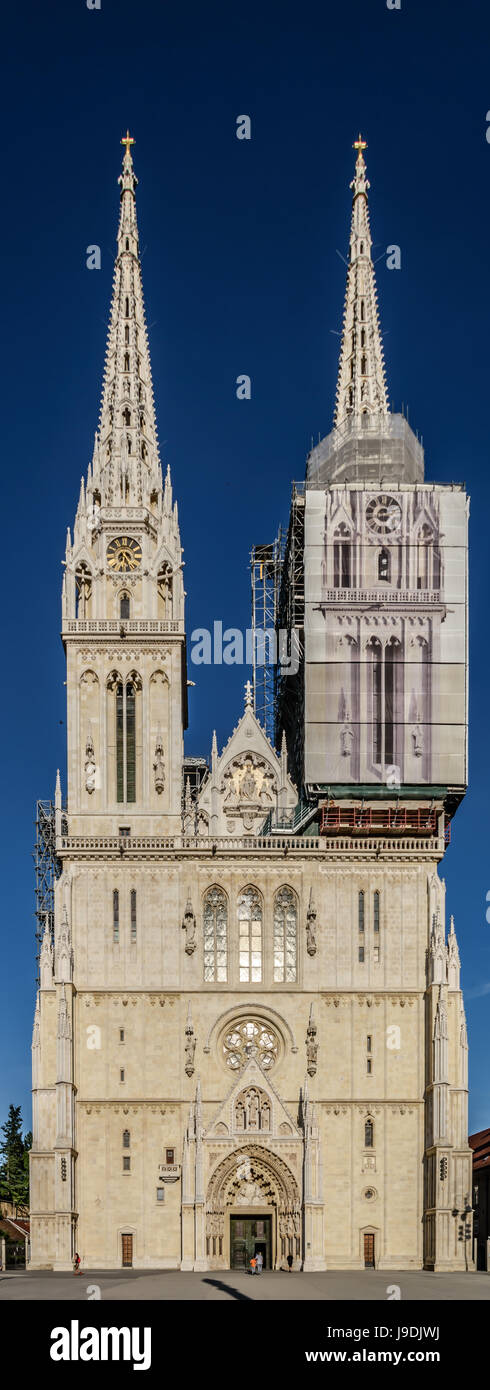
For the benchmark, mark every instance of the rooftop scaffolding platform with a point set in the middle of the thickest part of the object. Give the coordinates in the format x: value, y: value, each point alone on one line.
x: 374, y: 448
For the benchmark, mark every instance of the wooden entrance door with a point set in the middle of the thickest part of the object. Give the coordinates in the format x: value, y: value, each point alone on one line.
x: 248, y: 1235
x: 369, y: 1251
x: 127, y: 1251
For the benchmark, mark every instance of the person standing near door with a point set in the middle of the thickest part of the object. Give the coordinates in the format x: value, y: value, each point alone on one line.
x: 253, y: 1265
x: 260, y: 1261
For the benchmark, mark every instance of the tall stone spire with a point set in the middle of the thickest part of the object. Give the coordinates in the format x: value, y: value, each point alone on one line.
x: 367, y: 441
x: 361, y: 385
x: 126, y: 465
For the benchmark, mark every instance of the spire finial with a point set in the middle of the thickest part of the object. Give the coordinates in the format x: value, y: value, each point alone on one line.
x: 127, y: 140
x: 248, y: 695
x: 359, y: 144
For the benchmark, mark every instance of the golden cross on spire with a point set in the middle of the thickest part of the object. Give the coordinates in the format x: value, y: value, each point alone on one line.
x: 360, y: 144
x: 127, y: 140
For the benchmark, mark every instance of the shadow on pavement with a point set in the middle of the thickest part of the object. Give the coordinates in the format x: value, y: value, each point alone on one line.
x: 234, y: 1293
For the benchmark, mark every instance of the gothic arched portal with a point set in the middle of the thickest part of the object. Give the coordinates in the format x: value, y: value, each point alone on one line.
x: 252, y: 1187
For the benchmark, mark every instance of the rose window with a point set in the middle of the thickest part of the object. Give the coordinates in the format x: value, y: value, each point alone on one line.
x: 250, y: 1037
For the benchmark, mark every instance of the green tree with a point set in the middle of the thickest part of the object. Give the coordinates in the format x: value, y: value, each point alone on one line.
x: 14, y: 1160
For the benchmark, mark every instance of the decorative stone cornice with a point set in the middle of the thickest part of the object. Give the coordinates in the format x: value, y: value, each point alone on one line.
x: 93, y: 998
x: 353, y: 996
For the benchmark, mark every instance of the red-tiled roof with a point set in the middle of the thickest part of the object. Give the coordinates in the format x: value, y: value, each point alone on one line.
x: 16, y: 1227
x: 480, y: 1143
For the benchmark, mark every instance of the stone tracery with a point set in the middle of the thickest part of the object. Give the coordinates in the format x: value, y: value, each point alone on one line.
x: 252, y: 1110
x: 250, y: 1037
x: 254, y: 1177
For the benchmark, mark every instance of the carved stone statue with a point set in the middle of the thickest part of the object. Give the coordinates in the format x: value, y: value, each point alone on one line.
x: 417, y: 741
x: 311, y: 926
x: 90, y: 766
x: 253, y: 1110
x: 189, y: 926
x: 190, y: 1048
x: 248, y: 785
x: 240, y: 1115
x: 311, y: 1045
x: 190, y: 1043
x: 159, y: 765
x: 346, y: 741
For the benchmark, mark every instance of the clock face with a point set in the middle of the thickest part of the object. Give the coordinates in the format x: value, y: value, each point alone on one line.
x: 383, y: 515
x: 124, y: 553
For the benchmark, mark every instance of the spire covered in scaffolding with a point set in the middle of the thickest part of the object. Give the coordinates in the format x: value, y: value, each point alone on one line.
x: 361, y: 385
x: 367, y: 439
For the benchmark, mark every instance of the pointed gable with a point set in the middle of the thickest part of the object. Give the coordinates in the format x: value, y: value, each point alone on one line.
x: 253, y: 1108
x: 247, y: 782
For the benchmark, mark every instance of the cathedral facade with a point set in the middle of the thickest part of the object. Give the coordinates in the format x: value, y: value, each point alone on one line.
x: 249, y: 1031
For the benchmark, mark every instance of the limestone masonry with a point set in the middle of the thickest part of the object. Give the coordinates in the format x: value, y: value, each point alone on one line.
x: 249, y: 1033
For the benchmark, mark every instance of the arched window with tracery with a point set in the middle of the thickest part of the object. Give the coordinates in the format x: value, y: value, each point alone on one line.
x: 342, y: 564
x: 386, y: 700
x: 285, y: 935
x: 384, y: 564
x: 215, y: 935
x: 249, y: 912
x: 125, y: 712
x: 124, y: 606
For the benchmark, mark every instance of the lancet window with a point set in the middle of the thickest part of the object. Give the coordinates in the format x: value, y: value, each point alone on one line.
x: 215, y: 933
x: 125, y: 694
x: 250, y: 935
x: 342, y: 562
x: 384, y: 564
x: 386, y: 674
x: 285, y: 935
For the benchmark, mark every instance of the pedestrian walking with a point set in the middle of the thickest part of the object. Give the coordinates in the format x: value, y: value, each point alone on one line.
x: 290, y: 1263
x: 253, y: 1265
x: 76, y: 1263
x: 260, y: 1261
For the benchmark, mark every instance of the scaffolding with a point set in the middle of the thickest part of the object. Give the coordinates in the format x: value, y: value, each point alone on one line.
x: 291, y: 619
x: 47, y: 868
x: 265, y: 571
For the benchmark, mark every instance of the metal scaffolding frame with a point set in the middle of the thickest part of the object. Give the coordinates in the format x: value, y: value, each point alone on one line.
x: 265, y: 571
x: 291, y: 619
x: 47, y: 868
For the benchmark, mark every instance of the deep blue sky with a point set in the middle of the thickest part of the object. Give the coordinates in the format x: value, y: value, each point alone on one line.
x: 240, y: 275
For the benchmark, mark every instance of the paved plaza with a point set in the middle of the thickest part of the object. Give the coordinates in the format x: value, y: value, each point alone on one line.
x: 136, y: 1285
